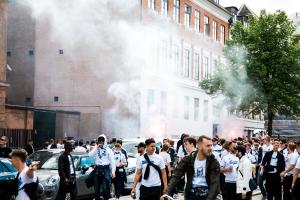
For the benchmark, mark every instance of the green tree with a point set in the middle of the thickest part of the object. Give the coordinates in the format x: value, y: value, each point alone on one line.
x: 272, y: 65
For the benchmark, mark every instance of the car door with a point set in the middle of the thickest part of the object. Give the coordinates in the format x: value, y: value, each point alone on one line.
x: 85, y: 161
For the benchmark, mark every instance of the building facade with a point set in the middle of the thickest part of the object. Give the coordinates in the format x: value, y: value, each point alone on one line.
x: 48, y: 73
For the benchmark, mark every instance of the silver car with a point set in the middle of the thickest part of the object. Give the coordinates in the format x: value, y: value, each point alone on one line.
x: 48, y: 173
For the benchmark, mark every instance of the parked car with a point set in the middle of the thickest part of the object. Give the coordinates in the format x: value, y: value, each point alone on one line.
x: 48, y: 173
x: 7, y: 174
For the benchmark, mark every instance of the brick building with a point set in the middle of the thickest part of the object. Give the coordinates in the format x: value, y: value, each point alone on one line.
x: 170, y: 101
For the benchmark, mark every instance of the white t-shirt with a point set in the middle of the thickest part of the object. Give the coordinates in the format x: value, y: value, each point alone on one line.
x: 199, y: 173
x: 180, y: 153
x: 80, y: 149
x: 120, y: 158
x: 265, y: 149
x: 230, y: 160
x: 274, y: 162
x: 297, y: 166
x: 153, y: 179
x: 217, y: 149
x: 291, y: 159
x: 72, y: 171
x: 166, y: 157
x: 251, y: 157
x: 24, y: 179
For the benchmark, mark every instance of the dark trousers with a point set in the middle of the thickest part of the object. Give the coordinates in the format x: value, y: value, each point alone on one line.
x: 65, y: 189
x: 222, y: 182
x: 119, y: 181
x: 229, y: 191
x: 261, y: 184
x: 248, y: 196
x: 296, y: 189
x: 192, y: 196
x: 102, y: 178
x: 273, y: 186
x: 150, y: 193
x: 287, y: 184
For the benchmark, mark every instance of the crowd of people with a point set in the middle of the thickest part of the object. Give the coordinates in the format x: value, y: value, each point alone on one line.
x: 200, y: 167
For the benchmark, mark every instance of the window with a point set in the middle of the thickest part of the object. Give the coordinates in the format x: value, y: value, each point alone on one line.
x: 196, y: 65
x: 206, y: 26
x: 31, y: 52
x: 165, y: 7
x: 163, y: 103
x: 151, y: 4
x: 245, y: 24
x: 206, y: 67
x: 186, y: 107
x: 205, y: 111
x: 215, y: 30
x: 197, y: 21
x: 27, y: 99
x: 186, y: 70
x: 61, y: 51
x: 56, y: 99
x: 196, y: 109
x: 150, y: 98
x: 176, y: 59
x: 176, y: 11
x: 164, y: 52
x: 8, y: 53
x: 222, y: 34
x: 216, y: 1
x: 187, y: 15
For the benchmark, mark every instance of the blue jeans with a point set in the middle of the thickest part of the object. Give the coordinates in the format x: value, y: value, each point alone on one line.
x: 102, y: 180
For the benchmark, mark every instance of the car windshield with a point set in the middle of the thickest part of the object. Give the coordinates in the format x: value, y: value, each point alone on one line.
x: 41, y: 156
x: 52, y: 163
x: 131, y: 148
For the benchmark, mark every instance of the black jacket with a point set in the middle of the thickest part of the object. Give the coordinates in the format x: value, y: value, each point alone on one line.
x: 186, y: 166
x: 64, y: 167
x: 267, y: 160
x: 29, y: 149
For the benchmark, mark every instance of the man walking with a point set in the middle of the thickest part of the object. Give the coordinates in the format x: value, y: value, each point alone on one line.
x: 104, y: 161
x: 202, y: 171
x: 271, y: 167
x: 151, y: 169
x: 229, y: 165
x: 26, y: 185
x: 66, y: 171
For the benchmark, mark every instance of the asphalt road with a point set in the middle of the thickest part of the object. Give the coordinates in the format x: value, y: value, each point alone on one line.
x: 256, y: 197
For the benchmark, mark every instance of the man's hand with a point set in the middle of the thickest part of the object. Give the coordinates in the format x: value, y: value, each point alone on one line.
x: 132, y: 191
x: 282, y: 174
x: 66, y: 181
x: 113, y: 175
x: 33, y: 166
x: 244, y: 195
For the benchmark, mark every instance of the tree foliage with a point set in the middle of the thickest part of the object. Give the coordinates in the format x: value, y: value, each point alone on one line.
x: 271, y: 63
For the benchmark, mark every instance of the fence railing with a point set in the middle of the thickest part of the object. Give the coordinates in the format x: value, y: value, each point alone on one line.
x: 17, y: 137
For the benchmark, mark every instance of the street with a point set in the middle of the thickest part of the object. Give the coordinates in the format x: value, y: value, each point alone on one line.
x: 256, y: 197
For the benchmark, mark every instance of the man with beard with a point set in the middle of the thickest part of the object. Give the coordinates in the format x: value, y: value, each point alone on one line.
x: 202, y: 171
